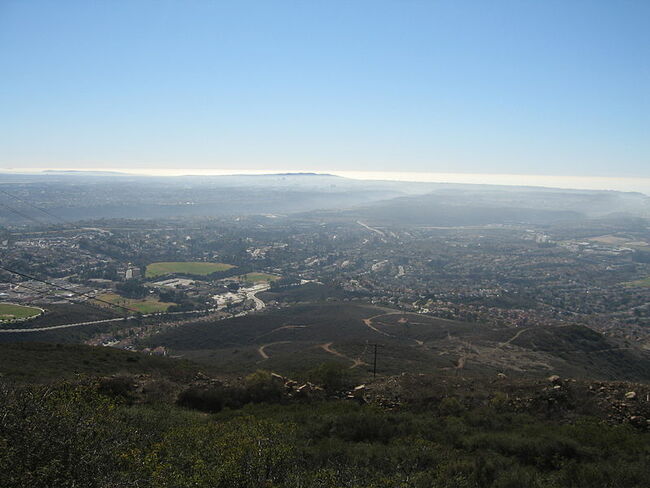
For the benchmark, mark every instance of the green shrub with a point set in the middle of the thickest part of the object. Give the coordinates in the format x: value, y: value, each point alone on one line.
x: 450, y: 406
x: 261, y: 386
x: 60, y: 437
x: 242, y: 453
x: 333, y: 377
x: 209, y: 400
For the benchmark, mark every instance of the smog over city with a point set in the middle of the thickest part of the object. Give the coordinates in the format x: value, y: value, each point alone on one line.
x: 324, y: 244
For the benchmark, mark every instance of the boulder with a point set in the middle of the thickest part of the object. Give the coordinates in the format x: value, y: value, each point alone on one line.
x: 555, y: 379
x: 310, y: 390
x: 630, y: 395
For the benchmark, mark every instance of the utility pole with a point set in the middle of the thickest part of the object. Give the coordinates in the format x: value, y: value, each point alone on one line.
x: 374, y: 364
x: 374, y: 361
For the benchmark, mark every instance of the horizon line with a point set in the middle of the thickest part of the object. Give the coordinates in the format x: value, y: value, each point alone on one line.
x: 638, y: 184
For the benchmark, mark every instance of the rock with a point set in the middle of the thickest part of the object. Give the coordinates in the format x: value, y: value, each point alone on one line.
x: 310, y: 390
x: 638, y: 420
x: 630, y: 395
x: 277, y: 377
x: 501, y: 376
x: 554, y: 379
x: 359, y: 391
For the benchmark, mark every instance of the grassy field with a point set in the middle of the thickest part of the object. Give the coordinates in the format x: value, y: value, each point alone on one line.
x: 644, y: 282
x: 9, y: 311
x: 258, y: 277
x: 145, y: 305
x: 190, y: 267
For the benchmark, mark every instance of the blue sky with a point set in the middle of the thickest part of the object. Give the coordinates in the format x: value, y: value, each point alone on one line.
x: 523, y: 87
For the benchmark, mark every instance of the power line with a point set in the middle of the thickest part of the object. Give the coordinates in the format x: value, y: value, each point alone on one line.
x: 69, y: 290
x: 23, y: 215
x: 28, y: 203
x: 374, y: 361
x: 65, y: 221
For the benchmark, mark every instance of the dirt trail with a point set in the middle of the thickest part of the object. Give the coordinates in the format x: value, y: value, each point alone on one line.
x: 283, y: 328
x: 327, y: 347
x: 401, y: 321
x: 368, y: 322
x: 513, y: 337
x: 261, y: 349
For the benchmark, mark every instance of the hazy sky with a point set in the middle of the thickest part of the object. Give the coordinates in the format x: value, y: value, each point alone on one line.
x: 535, y: 87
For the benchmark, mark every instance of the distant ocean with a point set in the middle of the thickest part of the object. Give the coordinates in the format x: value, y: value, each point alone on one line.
x: 641, y: 185
x: 632, y: 184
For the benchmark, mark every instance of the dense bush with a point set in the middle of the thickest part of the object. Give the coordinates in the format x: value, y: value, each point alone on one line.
x: 262, y: 386
x: 63, y: 437
x: 334, y: 377
x: 72, y: 436
x: 258, y: 387
x: 132, y: 289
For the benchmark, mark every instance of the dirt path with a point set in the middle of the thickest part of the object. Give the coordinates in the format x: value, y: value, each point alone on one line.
x: 368, y: 322
x: 261, y: 349
x: 513, y: 337
x: 327, y: 347
x: 283, y: 328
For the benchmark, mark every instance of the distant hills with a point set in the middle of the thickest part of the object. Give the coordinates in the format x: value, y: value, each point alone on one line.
x: 83, y: 195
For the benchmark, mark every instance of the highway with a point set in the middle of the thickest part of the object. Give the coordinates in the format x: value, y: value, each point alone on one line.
x: 259, y: 305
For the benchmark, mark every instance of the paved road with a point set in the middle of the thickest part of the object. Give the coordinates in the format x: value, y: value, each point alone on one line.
x: 63, y: 326
x: 259, y: 305
x: 371, y: 229
x: 79, y: 324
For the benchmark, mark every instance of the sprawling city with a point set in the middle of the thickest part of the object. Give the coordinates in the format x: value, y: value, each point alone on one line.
x: 325, y: 244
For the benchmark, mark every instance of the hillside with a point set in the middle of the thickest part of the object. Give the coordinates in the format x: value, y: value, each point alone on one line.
x: 40, y: 362
x: 298, y: 337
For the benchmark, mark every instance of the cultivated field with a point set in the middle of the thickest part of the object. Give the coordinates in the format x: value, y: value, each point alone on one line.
x: 182, y: 267
x: 145, y: 305
x: 9, y: 312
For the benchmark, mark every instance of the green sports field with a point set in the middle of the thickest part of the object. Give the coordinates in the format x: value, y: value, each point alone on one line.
x: 185, y: 267
x: 258, y: 277
x: 9, y: 311
x: 145, y: 305
x: 644, y: 282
